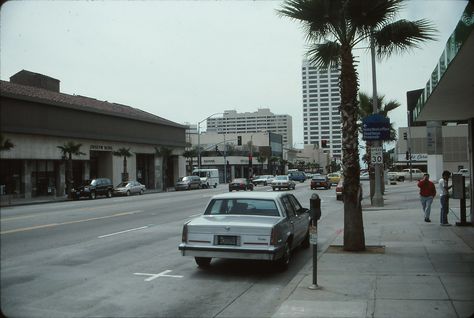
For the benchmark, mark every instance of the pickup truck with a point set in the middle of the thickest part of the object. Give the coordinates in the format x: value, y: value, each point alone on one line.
x: 403, y: 175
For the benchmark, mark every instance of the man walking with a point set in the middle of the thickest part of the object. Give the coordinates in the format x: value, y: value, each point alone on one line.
x: 427, y: 194
x: 444, y: 197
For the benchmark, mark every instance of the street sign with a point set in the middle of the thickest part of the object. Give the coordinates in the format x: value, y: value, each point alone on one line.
x: 376, y: 155
x: 375, y: 127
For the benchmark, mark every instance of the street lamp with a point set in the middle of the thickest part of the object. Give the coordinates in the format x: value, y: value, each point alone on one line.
x: 199, y: 136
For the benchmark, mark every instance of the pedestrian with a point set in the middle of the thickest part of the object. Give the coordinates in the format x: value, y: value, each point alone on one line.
x: 444, y: 197
x: 427, y: 194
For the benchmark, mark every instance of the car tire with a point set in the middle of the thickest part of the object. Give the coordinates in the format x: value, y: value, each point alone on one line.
x: 203, y: 261
x: 273, y: 188
x: 128, y: 193
x: 283, y: 262
x: 92, y: 195
x: 109, y: 193
x: 265, y: 183
x: 305, y: 243
x: 141, y: 192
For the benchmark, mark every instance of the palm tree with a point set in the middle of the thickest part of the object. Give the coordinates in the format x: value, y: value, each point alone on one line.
x: 5, y: 144
x: 189, y: 155
x: 125, y: 153
x: 334, y: 28
x: 164, y: 153
x: 69, y: 149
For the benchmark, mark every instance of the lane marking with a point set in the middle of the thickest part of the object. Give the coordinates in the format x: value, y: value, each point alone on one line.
x: 69, y: 222
x: 125, y: 231
x: 155, y: 276
x: 37, y: 214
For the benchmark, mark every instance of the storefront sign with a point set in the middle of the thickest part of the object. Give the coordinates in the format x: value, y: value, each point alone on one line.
x: 414, y: 157
x: 101, y: 148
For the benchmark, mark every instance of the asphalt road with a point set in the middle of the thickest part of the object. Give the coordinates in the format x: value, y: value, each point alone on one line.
x: 118, y: 258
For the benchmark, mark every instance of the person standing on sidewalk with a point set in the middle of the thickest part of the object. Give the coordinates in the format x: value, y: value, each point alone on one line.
x: 427, y: 194
x: 444, y: 197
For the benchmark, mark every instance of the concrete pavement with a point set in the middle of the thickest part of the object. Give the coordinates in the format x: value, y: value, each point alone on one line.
x: 410, y: 269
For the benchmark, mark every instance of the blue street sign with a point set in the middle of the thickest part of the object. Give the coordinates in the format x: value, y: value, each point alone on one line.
x: 375, y: 127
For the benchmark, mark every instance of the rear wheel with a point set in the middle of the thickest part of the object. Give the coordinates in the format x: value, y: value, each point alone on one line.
x: 92, y: 195
x: 109, y: 193
x: 141, y: 192
x: 128, y: 193
x: 203, y: 261
x: 284, y: 261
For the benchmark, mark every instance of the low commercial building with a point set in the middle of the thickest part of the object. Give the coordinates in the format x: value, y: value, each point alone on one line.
x: 37, y: 118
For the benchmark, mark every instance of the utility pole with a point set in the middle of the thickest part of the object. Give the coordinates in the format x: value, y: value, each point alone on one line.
x: 378, y: 198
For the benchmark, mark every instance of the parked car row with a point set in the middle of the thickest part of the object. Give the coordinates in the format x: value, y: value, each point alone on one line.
x: 104, y: 187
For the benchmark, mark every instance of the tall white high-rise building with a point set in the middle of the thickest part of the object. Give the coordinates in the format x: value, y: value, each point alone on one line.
x: 321, y: 101
x: 260, y: 121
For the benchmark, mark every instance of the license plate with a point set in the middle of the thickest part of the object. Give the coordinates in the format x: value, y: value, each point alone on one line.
x: 226, y: 240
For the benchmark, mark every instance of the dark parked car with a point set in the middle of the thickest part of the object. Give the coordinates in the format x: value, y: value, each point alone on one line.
x: 188, y: 183
x: 297, y: 176
x: 240, y: 184
x: 129, y: 187
x: 320, y: 181
x: 93, y: 188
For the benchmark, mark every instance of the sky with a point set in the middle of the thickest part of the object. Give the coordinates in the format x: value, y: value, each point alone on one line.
x: 186, y: 60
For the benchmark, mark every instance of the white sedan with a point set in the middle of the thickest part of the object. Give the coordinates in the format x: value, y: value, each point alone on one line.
x: 252, y: 225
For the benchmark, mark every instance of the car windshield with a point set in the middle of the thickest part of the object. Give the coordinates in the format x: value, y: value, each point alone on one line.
x: 281, y: 178
x: 238, y: 181
x: 122, y: 184
x: 242, y: 207
x: 183, y: 179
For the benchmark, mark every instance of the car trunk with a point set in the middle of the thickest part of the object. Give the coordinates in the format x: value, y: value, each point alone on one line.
x: 231, y: 230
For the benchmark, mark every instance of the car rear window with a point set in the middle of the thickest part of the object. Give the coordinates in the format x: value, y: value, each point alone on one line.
x: 242, y: 207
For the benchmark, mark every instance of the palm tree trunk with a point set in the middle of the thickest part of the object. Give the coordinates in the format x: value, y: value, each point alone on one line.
x: 354, y: 239
x: 69, y: 177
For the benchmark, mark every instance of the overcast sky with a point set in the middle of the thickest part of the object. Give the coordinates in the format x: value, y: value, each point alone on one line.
x: 185, y: 60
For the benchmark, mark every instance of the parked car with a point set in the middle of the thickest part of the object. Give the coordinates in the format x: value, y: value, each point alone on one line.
x: 320, y: 181
x: 297, y: 176
x: 240, y: 184
x: 93, y: 188
x: 188, y: 183
x: 283, y: 182
x: 257, y: 226
x: 128, y: 188
x: 264, y: 180
x: 334, y: 178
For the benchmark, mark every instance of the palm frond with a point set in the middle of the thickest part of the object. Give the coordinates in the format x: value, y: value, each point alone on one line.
x: 366, y: 15
x: 401, y: 35
x: 325, y: 55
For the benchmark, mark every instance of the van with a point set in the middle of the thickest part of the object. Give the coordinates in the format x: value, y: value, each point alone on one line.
x: 297, y: 176
x: 209, y: 177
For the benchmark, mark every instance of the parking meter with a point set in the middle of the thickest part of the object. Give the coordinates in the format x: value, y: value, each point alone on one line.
x: 315, y: 207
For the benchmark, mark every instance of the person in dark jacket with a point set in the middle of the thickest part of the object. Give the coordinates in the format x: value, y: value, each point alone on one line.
x: 427, y: 194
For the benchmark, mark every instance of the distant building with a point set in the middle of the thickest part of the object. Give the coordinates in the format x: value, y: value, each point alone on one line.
x: 37, y: 118
x: 246, y: 123
x: 321, y: 101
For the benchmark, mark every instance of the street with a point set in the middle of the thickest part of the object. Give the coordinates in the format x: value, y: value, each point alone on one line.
x: 118, y: 257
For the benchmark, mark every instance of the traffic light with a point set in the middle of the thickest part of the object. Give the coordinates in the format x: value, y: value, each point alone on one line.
x: 407, y: 155
x: 405, y: 136
x: 250, y: 159
x: 217, y: 148
x: 239, y: 140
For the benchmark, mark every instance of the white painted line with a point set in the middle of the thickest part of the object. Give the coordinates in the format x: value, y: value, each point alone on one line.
x: 121, y: 232
x: 155, y: 276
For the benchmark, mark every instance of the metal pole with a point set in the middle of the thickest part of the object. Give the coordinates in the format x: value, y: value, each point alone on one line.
x: 225, y: 161
x: 199, y: 144
x: 409, y: 147
x: 378, y: 198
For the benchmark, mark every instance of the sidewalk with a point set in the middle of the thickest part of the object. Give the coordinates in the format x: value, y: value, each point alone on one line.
x: 415, y: 269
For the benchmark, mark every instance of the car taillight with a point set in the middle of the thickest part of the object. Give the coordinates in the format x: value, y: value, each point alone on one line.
x: 184, y: 236
x: 273, y: 237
